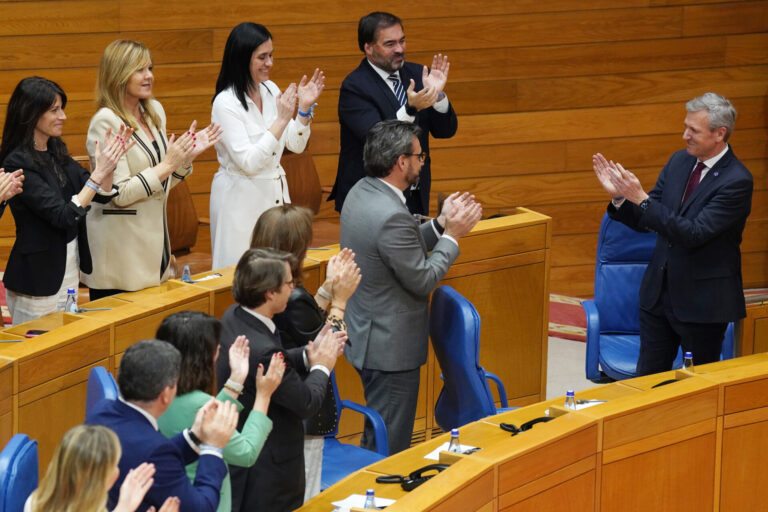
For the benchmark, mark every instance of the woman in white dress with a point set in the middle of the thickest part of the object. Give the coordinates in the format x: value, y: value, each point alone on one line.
x: 258, y: 123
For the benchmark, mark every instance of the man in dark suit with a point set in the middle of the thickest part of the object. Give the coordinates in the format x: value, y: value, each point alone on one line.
x: 387, y: 315
x: 692, y: 287
x: 385, y: 86
x: 147, y: 380
x: 262, y: 287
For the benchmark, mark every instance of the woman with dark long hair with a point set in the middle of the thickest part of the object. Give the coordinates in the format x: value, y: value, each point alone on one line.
x: 258, y: 122
x: 50, y: 212
x: 196, y: 335
x: 289, y: 228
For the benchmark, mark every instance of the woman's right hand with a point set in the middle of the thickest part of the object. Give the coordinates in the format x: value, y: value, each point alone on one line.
x: 108, y: 153
x: 239, y: 352
x: 135, y: 486
x: 345, y: 282
x: 179, y: 150
x: 10, y: 183
x: 286, y: 103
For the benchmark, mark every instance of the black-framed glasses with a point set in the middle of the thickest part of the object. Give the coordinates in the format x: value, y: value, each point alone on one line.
x: 422, y: 156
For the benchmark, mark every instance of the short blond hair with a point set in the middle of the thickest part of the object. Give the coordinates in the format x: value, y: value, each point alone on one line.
x: 76, y: 478
x: 120, y: 60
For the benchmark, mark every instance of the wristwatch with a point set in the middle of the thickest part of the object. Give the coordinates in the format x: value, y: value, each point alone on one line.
x: 644, y: 205
x: 410, y: 110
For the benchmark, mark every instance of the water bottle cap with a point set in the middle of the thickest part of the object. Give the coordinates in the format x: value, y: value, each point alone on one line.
x: 70, y: 290
x: 369, y: 492
x: 454, y: 431
x: 688, y: 354
x: 570, y: 393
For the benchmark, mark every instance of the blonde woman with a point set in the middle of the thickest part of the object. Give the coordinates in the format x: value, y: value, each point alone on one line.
x: 131, y: 248
x: 83, y: 468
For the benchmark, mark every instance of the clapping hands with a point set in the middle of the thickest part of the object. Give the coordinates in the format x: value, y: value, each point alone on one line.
x: 135, y: 486
x: 460, y: 214
x: 309, y: 90
x: 617, y: 181
x: 10, y: 183
x: 108, y: 153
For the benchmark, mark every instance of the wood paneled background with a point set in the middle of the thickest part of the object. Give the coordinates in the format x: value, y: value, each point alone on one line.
x: 538, y: 86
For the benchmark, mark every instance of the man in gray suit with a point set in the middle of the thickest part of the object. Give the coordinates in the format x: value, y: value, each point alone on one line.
x: 387, y: 316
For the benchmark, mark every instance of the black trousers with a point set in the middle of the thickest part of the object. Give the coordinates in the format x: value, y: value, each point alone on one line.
x: 662, y: 333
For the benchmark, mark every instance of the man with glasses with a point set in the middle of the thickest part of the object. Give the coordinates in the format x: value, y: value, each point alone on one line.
x: 385, y: 86
x: 262, y: 286
x: 387, y: 315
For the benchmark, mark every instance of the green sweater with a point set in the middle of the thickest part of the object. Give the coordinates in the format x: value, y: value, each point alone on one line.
x: 242, y: 449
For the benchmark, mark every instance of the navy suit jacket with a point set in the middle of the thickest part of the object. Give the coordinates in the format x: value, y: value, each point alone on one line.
x: 364, y: 100
x: 140, y: 442
x: 698, y: 242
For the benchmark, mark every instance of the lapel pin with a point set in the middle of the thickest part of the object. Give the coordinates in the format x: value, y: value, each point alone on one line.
x: 717, y: 173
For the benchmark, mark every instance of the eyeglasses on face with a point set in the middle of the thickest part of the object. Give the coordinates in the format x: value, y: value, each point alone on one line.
x: 422, y: 156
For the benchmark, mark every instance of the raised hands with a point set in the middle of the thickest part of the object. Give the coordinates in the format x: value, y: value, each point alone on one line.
x: 309, y: 90
x: 460, y: 214
x: 108, y: 153
x: 267, y: 383
x: 203, y: 139
x: 286, y: 103
x: 425, y: 98
x: 326, y: 347
x: 239, y: 352
x: 346, y: 277
x: 179, y: 152
x: 10, y: 183
x: 215, y: 422
x: 135, y: 486
x: 617, y: 181
x: 436, y: 77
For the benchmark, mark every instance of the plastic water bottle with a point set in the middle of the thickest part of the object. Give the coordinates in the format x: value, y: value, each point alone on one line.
x: 71, y: 305
x: 570, y: 400
x: 186, y: 274
x: 454, y: 445
x: 370, y: 499
x: 688, y: 361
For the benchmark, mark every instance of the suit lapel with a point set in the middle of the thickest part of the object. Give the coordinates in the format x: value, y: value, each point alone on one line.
x: 391, y: 195
x: 255, y: 324
x: 377, y: 84
x: 709, y: 181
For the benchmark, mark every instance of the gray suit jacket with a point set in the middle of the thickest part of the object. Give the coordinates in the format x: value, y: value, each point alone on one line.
x: 386, y: 317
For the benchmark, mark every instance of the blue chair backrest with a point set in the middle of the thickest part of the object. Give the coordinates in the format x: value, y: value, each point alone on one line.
x: 18, y: 472
x: 101, y: 385
x: 622, y: 256
x: 454, y: 326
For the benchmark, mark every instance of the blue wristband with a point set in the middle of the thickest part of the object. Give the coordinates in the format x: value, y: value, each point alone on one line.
x: 310, y: 113
x: 92, y: 185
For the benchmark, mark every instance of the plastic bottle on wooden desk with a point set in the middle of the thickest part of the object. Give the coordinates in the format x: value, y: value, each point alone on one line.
x: 688, y: 361
x: 454, y: 446
x: 570, y: 400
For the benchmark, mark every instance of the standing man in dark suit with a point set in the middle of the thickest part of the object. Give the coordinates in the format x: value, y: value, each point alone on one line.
x: 387, y: 315
x: 149, y: 371
x: 385, y: 86
x: 262, y: 287
x: 692, y: 287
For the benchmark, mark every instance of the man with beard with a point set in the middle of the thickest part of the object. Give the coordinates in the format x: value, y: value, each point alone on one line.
x: 387, y: 315
x: 385, y: 86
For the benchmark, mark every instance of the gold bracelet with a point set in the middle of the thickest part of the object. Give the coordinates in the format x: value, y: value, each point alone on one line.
x: 227, y: 386
x: 339, y: 308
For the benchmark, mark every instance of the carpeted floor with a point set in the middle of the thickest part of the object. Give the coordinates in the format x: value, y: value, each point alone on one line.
x: 566, y: 318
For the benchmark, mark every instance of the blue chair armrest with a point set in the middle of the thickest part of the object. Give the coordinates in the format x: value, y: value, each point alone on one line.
x: 727, y: 351
x: 379, y: 429
x: 593, y: 340
x: 499, y: 388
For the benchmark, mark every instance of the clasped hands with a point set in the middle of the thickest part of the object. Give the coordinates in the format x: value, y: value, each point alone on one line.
x: 617, y: 181
x: 327, y: 346
x: 460, y: 214
x: 434, y: 81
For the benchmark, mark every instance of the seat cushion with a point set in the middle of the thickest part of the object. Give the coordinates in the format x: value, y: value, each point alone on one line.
x: 618, y: 355
x: 340, y: 460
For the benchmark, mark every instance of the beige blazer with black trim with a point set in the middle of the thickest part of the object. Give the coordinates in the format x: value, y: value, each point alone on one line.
x: 127, y: 234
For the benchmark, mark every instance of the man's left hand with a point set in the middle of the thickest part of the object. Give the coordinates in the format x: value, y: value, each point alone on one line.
x: 438, y: 75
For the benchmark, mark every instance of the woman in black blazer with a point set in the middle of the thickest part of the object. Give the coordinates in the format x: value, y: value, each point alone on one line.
x: 289, y: 228
x: 51, y: 240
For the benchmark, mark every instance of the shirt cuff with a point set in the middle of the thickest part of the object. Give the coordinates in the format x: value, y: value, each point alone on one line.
x: 77, y: 203
x: 449, y: 237
x: 190, y: 442
x: 617, y: 204
x: 442, y: 105
x: 322, y: 368
x: 209, y: 449
x: 402, y: 115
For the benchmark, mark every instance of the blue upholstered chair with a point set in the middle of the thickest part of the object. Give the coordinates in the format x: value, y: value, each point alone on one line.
x: 101, y: 385
x: 341, y: 459
x: 613, y: 330
x: 18, y: 472
x: 454, y: 326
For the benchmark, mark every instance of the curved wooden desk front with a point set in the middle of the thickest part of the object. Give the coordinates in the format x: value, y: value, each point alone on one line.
x: 694, y: 445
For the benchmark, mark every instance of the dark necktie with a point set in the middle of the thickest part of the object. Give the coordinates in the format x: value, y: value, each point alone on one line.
x: 693, y: 181
x: 399, y: 89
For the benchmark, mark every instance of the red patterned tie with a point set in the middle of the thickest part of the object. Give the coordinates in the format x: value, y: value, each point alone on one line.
x: 693, y: 181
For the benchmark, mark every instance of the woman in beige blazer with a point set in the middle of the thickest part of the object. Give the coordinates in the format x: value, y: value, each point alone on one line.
x: 130, y: 244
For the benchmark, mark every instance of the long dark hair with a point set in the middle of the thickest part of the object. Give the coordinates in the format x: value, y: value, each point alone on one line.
x: 196, y: 335
x: 31, y: 99
x: 236, y: 64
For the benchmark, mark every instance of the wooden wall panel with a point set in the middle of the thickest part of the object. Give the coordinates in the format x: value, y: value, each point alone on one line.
x: 538, y: 86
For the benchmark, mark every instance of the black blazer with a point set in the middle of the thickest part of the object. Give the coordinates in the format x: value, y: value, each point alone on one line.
x: 698, y: 242
x: 364, y: 100
x: 45, y: 220
x: 299, y: 396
